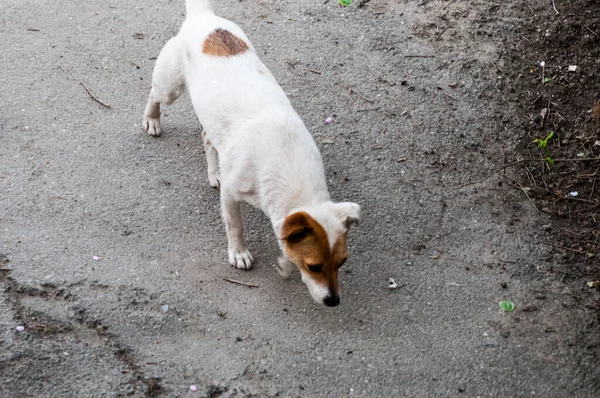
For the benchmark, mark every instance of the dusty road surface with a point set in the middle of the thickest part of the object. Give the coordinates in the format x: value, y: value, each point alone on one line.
x: 113, y: 253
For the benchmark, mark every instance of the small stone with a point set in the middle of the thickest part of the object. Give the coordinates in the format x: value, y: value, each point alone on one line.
x: 20, y: 328
x: 164, y: 308
x: 193, y: 388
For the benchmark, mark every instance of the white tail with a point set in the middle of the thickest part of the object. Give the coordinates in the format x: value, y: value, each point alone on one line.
x: 197, y: 6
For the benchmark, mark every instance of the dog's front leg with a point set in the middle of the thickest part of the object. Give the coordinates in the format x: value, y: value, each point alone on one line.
x: 239, y: 256
x: 284, y: 267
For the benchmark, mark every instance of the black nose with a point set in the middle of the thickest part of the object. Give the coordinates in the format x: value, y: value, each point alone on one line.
x: 331, y: 301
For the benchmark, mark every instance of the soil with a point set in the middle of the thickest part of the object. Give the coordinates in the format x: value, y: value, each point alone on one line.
x: 113, y: 253
x: 554, y: 80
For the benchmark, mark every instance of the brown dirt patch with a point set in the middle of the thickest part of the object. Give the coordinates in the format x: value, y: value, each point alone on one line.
x: 554, y: 98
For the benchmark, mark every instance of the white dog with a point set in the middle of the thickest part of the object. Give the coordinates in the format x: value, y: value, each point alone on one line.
x: 257, y: 148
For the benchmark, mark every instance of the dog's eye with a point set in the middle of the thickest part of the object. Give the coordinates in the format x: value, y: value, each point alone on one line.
x: 342, y: 263
x: 315, y: 268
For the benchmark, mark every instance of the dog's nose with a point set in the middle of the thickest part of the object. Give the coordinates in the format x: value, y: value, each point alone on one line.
x: 331, y: 301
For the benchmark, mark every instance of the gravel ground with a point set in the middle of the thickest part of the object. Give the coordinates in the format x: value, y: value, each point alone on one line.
x: 416, y: 93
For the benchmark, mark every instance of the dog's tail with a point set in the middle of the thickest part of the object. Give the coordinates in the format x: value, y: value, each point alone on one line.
x: 194, y: 7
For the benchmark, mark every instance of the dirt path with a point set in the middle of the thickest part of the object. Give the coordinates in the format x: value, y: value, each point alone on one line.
x: 113, y: 252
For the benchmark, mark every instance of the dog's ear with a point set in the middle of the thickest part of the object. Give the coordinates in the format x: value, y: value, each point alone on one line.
x: 295, y: 227
x: 348, y: 213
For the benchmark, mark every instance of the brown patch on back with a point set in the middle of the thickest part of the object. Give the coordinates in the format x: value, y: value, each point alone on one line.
x: 306, y: 243
x: 222, y: 43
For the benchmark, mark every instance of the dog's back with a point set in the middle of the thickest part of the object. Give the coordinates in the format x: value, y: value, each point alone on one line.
x: 228, y: 83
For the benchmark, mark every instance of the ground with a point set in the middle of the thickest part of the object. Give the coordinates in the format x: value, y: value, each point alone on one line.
x: 113, y: 254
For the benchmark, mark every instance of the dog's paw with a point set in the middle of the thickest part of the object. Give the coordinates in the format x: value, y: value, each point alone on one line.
x: 240, y: 259
x: 284, y: 267
x: 214, y: 180
x: 151, y: 125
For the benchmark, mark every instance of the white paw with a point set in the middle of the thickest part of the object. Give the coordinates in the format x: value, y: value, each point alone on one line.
x: 214, y: 180
x: 240, y: 259
x: 284, y: 267
x: 151, y: 125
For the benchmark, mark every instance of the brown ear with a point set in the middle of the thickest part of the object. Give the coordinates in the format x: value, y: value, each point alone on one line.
x: 295, y: 227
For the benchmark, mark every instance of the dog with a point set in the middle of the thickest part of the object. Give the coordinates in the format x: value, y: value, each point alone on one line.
x: 257, y: 148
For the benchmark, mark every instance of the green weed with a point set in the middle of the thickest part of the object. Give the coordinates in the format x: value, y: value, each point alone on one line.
x: 543, y: 145
x: 507, y: 306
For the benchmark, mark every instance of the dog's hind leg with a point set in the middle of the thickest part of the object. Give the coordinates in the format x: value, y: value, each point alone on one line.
x: 168, y: 83
x: 213, y: 162
x: 239, y: 256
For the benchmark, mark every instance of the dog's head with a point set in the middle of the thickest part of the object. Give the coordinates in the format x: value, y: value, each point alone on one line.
x: 314, y: 239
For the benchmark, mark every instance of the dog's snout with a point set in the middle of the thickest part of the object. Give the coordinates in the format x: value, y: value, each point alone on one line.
x: 331, y: 301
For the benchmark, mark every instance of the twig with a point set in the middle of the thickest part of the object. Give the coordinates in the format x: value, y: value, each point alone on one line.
x: 240, y: 283
x: 559, y: 115
x: 492, y: 173
x: 446, y: 6
x: 315, y: 71
x: 5, y: 269
x: 554, y: 5
x: 576, y: 160
x: 564, y: 248
x: 362, y: 96
x: 439, y: 36
x: 58, y: 197
x: 594, y: 33
x: 33, y: 29
x: 528, y: 197
x: 419, y: 56
x: 593, y: 186
x: 448, y: 95
x: 522, y: 161
x: 94, y: 97
x: 579, y: 200
x: 63, y: 69
x: 530, y: 175
x: 507, y: 261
